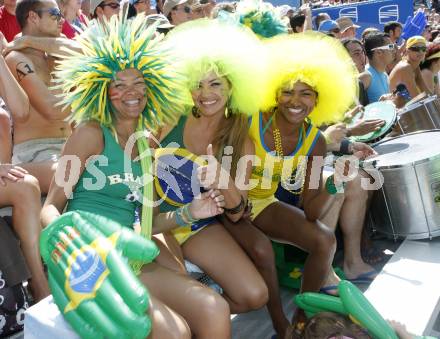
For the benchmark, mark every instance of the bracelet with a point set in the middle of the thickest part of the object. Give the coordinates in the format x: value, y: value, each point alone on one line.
x: 186, y: 214
x: 179, y: 218
x: 330, y: 186
x: 345, y: 145
x: 236, y: 209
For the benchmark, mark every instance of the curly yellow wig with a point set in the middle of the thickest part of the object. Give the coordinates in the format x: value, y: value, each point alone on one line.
x: 319, y: 61
x: 113, y: 46
x: 228, y: 50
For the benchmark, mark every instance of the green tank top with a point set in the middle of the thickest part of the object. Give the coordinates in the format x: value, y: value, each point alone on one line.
x: 105, y: 188
x: 175, y: 136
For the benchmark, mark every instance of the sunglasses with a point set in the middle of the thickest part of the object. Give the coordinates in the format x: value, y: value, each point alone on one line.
x: 336, y: 30
x: 113, y: 5
x: 55, y: 13
x: 186, y: 9
x: 389, y: 47
x: 418, y: 49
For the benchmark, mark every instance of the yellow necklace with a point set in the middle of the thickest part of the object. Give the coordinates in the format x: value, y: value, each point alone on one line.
x: 301, y: 168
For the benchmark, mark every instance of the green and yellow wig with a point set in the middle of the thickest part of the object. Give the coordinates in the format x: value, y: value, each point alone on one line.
x: 113, y: 46
x: 228, y: 50
x: 319, y: 61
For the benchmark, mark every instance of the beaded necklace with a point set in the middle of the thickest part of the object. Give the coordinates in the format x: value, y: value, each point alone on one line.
x: 301, y: 166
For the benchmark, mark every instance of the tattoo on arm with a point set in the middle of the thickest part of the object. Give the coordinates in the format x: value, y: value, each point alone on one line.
x: 22, y: 70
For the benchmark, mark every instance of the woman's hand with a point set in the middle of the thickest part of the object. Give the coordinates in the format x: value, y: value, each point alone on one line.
x: 11, y: 172
x: 335, y: 133
x: 207, y: 204
x: 363, y: 127
x: 361, y: 150
x: 213, y: 175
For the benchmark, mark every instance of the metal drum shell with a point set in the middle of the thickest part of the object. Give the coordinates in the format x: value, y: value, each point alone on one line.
x: 421, y: 116
x: 408, y: 193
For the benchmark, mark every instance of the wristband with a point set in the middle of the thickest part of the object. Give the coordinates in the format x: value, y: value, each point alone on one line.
x: 345, y: 145
x: 178, y: 217
x: 236, y: 209
x: 186, y: 214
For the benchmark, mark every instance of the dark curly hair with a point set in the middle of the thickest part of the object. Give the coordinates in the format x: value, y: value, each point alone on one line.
x: 432, y: 49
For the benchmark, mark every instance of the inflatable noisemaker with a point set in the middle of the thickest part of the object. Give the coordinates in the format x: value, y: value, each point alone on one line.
x: 352, y: 303
x: 90, y: 279
x: 414, y: 26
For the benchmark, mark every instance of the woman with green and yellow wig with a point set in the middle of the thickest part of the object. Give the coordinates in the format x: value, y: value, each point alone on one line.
x: 121, y: 85
x: 310, y: 81
x: 224, y: 79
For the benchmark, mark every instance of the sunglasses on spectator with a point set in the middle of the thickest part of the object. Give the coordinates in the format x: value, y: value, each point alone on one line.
x: 55, y: 13
x: 335, y: 31
x: 418, y: 49
x: 113, y: 5
x: 186, y: 9
x: 389, y: 47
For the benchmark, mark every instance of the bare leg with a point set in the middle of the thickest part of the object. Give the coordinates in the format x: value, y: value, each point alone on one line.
x: 24, y: 197
x: 166, y: 324
x: 5, y: 138
x: 259, y: 248
x: 352, y: 221
x: 170, y: 255
x: 215, y: 251
x: 205, y: 311
x: 43, y: 171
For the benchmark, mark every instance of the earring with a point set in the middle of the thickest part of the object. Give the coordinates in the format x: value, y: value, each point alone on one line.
x: 195, y: 112
x: 228, y: 110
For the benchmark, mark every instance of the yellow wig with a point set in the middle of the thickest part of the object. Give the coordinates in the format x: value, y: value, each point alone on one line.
x: 319, y: 61
x: 230, y: 51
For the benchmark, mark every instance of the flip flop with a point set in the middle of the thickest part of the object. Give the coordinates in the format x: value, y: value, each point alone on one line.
x: 330, y: 290
x: 365, y: 278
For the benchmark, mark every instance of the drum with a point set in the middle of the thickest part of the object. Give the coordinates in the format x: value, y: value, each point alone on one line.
x: 384, y: 110
x: 419, y: 116
x: 408, y: 203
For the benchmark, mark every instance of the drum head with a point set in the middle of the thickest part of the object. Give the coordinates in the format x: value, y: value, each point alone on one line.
x: 384, y: 110
x: 407, y: 149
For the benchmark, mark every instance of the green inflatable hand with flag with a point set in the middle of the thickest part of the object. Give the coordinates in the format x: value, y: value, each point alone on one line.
x: 90, y: 278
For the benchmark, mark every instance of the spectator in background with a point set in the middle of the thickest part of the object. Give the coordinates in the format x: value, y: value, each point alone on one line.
x: 73, y: 18
x: 107, y: 8
x: 229, y: 7
x: 177, y: 11
x: 407, y: 71
x: 357, y: 53
x: 8, y: 22
x: 164, y: 25
x: 347, y: 27
x: 320, y: 17
x: 394, y: 30
x: 297, y: 22
x: 367, y: 31
x: 330, y: 27
x: 380, y: 52
x: 141, y: 6
x: 430, y: 68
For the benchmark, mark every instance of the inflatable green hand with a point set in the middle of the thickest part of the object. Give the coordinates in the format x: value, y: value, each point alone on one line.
x: 351, y: 303
x: 91, y: 282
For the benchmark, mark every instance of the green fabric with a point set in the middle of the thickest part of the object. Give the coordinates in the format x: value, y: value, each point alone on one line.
x: 175, y: 136
x: 117, y: 198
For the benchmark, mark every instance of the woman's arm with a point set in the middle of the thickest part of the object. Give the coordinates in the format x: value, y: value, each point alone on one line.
x: 316, y: 200
x: 85, y: 141
x: 14, y: 96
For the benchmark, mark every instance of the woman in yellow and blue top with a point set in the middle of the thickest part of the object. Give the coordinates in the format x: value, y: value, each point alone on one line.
x: 311, y: 81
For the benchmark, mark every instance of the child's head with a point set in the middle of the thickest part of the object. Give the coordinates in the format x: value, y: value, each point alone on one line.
x: 326, y: 325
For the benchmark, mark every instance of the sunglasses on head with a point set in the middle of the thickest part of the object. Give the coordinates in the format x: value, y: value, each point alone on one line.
x: 113, y: 5
x: 418, y: 49
x: 54, y: 13
x: 388, y: 47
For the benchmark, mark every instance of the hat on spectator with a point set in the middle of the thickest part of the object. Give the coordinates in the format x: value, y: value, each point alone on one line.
x: 416, y: 39
x: 345, y: 23
x: 170, y: 4
x: 327, y: 25
x: 158, y: 18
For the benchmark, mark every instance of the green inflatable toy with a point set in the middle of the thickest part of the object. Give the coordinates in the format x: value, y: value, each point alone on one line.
x: 352, y: 303
x: 90, y: 278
